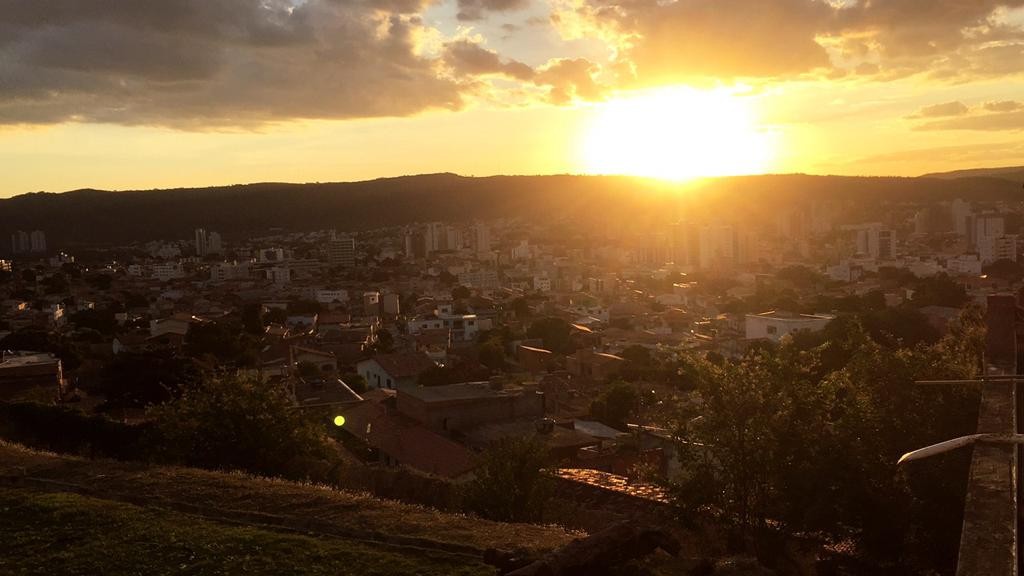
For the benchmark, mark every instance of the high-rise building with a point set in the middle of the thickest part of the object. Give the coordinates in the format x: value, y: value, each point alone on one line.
x: 961, y: 212
x: 481, y: 238
x: 718, y: 247
x: 37, y: 241
x: 20, y: 242
x: 214, y: 245
x: 342, y: 252
x: 207, y: 243
x: 998, y: 248
x: 410, y: 245
x: 25, y: 242
x: 875, y: 240
x: 684, y: 245
x: 882, y: 244
x: 986, y: 226
x: 452, y: 238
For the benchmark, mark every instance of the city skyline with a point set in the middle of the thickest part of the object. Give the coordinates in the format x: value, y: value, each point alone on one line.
x: 186, y: 94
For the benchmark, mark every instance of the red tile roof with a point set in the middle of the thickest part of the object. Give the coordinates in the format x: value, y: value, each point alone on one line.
x: 404, y: 364
x: 406, y: 441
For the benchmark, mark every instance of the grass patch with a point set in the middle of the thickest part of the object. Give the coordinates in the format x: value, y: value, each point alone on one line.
x: 62, y: 533
x: 161, y: 485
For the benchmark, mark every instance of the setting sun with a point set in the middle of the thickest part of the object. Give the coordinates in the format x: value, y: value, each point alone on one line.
x: 676, y: 133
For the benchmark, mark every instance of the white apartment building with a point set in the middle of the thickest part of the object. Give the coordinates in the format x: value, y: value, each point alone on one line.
x: 325, y: 296
x: 480, y: 278
x: 775, y: 325
x: 998, y: 248
x: 964, y: 265
x: 165, y: 271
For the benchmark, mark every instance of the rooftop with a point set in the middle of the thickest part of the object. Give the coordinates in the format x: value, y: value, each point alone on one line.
x: 455, y: 392
x: 786, y: 315
x: 403, y: 364
x: 20, y: 359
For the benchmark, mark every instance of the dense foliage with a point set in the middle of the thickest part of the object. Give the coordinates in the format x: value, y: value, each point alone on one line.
x: 228, y: 423
x: 510, y: 485
x: 804, y: 438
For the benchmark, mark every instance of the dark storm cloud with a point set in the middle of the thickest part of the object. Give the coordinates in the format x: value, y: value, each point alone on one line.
x: 469, y: 58
x: 198, y: 63
x: 471, y: 10
x: 667, y: 40
x: 565, y: 79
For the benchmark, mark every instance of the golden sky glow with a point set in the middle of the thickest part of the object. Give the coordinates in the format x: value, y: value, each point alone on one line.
x: 219, y: 92
x: 677, y: 133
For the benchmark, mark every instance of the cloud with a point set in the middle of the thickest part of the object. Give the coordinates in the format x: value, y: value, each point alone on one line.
x: 955, y: 108
x: 1003, y: 106
x: 569, y: 79
x: 472, y: 10
x: 471, y: 59
x: 885, y: 39
x: 989, y: 122
x: 208, y: 63
x: 564, y: 79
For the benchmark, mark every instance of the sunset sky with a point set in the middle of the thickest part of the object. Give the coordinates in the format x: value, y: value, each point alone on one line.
x: 163, y: 93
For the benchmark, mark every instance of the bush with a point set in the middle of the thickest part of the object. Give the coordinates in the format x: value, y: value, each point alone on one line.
x: 510, y: 484
x: 62, y: 429
x: 230, y: 423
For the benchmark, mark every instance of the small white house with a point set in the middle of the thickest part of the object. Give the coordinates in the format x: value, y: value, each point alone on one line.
x: 774, y: 325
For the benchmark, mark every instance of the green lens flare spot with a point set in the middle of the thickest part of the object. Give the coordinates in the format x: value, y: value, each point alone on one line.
x: 339, y: 420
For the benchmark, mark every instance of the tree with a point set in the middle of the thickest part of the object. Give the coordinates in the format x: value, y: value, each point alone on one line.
x: 1006, y: 270
x: 229, y: 423
x: 939, y: 290
x: 252, y: 319
x: 355, y: 381
x: 554, y: 332
x: 223, y: 340
x: 308, y: 371
x: 510, y: 484
x: 616, y: 404
x: 146, y: 378
x: 99, y: 281
x: 100, y: 320
x: 521, y: 307
x: 385, y: 341
x: 275, y: 316
x: 803, y: 437
x: 460, y: 293
x: 304, y: 307
x: 55, y: 284
x: 492, y: 354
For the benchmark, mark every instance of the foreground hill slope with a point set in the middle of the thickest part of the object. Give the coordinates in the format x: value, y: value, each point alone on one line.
x: 178, y: 520
x: 65, y: 533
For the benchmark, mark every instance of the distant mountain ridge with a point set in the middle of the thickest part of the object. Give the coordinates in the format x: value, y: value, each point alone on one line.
x: 88, y: 216
x: 1012, y: 173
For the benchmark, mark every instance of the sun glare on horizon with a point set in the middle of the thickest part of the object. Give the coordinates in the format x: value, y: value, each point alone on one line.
x: 677, y: 133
